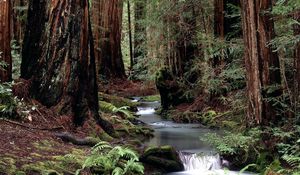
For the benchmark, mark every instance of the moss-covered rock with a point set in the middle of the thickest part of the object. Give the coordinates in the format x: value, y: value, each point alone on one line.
x: 118, y: 101
x: 151, y: 98
x: 164, y: 157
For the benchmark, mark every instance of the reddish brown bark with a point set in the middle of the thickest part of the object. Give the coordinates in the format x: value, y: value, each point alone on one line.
x: 5, y: 38
x: 219, y: 18
x: 58, y: 56
x: 107, y: 22
x: 262, y: 63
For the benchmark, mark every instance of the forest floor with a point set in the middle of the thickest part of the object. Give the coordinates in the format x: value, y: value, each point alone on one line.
x: 30, y: 145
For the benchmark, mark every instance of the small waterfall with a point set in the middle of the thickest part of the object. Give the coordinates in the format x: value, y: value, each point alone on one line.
x: 200, y: 162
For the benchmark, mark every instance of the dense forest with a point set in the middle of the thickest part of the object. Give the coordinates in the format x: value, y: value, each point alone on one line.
x: 130, y: 87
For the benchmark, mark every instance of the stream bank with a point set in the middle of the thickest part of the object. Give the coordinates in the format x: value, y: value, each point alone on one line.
x: 197, y: 156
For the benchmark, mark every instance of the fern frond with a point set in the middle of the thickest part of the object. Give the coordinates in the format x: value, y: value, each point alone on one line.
x: 100, y: 147
x: 118, y: 171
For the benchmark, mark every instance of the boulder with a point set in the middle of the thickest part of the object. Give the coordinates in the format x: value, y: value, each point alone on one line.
x: 164, y: 157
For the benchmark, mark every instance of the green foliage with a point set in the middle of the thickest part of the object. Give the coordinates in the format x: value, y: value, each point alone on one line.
x: 151, y: 98
x: 231, y: 143
x: 289, y: 147
x: 105, y: 159
x: 16, y: 59
x: 8, y: 103
x: 110, y: 108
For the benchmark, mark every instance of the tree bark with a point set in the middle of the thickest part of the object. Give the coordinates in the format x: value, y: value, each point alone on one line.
x: 219, y: 18
x: 139, y: 30
x: 262, y: 65
x: 58, y: 56
x: 18, y: 19
x: 296, y: 28
x: 5, y: 38
x: 107, y: 22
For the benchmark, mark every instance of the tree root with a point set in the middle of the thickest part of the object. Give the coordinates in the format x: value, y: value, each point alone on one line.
x: 67, y: 137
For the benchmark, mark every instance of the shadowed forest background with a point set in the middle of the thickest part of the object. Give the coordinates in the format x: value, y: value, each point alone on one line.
x: 149, y: 87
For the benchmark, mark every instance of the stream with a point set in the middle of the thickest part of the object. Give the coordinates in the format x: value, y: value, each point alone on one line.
x: 198, y: 157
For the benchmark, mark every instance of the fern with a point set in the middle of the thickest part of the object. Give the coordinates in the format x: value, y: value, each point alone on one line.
x: 117, y: 160
x: 108, y: 107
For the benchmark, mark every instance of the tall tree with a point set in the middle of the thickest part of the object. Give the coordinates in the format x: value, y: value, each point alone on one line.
x: 107, y: 22
x: 58, y: 57
x: 262, y: 64
x: 225, y: 24
x: 5, y: 37
x: 18, y: 19
x: 180, y: 34
x: 297, y: 61
x: 139, y: 29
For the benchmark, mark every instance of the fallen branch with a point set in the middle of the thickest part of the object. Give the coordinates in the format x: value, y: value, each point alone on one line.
x: 32, y: 127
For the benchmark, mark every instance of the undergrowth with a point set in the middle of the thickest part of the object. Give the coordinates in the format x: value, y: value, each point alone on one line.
x: 107, y: 160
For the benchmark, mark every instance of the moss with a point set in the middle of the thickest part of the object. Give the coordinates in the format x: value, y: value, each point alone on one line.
x: 118, y: 101
x: 37, y: 167
x: 69, y: 162
x: 36, y: 155
x: 105, y: 137
x: 44, y: 145
x: 165, y: 157
x: 7, y: 165
x: 151, y: 98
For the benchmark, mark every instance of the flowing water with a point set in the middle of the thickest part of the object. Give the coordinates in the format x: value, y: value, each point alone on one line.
x: 198, y: 157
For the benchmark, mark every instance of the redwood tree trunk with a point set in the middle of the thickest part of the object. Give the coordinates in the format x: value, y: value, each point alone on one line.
x: 297, y: 64
x: 5, y: 37
x: 107, y: 22
x: 219, y: 18
x: 58, y: 56
x: 262, y: 63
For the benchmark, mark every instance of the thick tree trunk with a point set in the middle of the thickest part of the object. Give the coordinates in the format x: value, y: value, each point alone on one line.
x: 5, y: 37
x: 261, y: 63
x: 107, y: 22
x: 58, y: 56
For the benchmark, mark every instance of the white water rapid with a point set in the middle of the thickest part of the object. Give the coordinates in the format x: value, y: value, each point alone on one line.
x: 202, y: 162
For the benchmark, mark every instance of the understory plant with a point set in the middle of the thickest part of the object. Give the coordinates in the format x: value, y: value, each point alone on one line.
x: 8, y: 102
x: 107, y: 160
x: 110, y: 108
x: 238, y: 148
